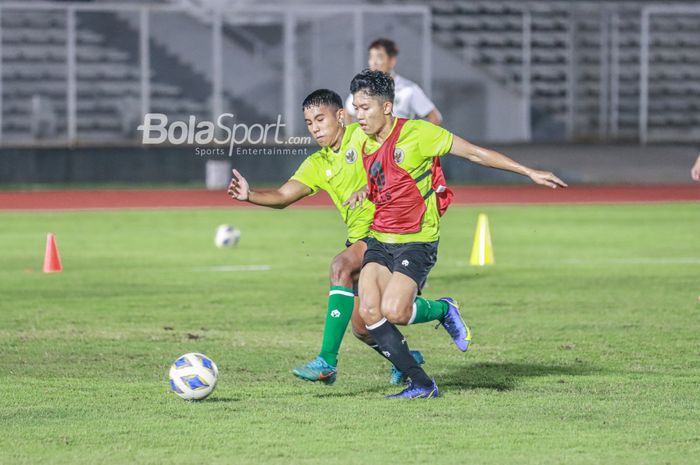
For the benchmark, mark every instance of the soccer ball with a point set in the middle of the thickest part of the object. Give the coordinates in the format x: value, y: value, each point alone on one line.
x: 227, y: 236
x: 193, y: 376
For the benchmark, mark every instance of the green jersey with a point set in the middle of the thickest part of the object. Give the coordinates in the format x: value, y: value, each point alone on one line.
x: 416, y: 146
x: 340, y: 174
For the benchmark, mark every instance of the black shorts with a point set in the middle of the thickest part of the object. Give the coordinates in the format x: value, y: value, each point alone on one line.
x: 414, y: 259
x: 348, y: 244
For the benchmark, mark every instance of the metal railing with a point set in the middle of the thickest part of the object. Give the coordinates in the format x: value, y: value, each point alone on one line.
x: 605, y: 108
x: 289, y: 16
x: 644, y: 59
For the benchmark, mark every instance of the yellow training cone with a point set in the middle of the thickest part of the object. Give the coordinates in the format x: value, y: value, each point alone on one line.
x: 482, y: 251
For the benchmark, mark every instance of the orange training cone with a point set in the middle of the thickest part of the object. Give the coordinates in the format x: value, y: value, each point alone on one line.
x: 52, y: 262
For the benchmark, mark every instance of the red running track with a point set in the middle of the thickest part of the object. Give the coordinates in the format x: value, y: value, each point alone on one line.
x: 465, y: 195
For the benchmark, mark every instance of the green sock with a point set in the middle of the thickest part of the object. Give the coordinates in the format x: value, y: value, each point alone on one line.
x: 341, y: 301
x: 428, y: 310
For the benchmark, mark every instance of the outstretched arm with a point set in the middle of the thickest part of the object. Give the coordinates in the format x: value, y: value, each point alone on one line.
x: 695, y: 170
x: 493, y: 159
x: 285, y: 195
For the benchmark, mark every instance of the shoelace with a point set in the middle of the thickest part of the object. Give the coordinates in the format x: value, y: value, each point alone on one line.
x: 316, y: 364
x: 451, y: 330
x: 410, y: 389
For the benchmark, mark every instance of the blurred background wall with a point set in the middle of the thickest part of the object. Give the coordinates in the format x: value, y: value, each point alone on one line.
x: 609, y: 91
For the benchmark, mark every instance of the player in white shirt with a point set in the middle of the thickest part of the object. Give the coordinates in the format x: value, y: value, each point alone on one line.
x: 409, y: 99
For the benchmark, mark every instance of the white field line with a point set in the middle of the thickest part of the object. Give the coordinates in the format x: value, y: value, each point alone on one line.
x: 635, y: 261
x: 602, y: 261
x: 227, y: 268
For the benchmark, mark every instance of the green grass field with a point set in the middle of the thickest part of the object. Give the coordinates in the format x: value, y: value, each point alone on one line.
x: 585, y: 342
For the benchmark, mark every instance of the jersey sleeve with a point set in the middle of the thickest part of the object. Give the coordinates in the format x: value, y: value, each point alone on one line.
x: 348, y: 106
x: 307, y: 174
x: 433, y: 141
x: 421, y: 105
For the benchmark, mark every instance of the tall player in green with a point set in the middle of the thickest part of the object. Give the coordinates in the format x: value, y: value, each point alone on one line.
x: 338, y: 170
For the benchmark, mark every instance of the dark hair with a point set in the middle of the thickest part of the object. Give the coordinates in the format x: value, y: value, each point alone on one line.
x: 322, y: 97
x: 374, y: 83
x: 388, y: 45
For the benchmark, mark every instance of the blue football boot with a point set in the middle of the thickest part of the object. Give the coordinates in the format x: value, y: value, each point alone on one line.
x: 455, y: 325
x: 397, y: 377
x: 317, y: 370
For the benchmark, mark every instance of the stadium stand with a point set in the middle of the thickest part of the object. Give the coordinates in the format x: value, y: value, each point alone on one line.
x: 573, y: 89
x: 108, y: 78
x: 490, y: 35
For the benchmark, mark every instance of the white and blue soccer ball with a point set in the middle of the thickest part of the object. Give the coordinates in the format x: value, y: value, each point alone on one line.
x: 193, y: 376
x: 227, y: 236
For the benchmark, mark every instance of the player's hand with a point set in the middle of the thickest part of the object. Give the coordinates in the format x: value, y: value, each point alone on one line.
x: 695, y: 170
x: 356, y: 198
x: 238, y: 188
x: 545, y: 178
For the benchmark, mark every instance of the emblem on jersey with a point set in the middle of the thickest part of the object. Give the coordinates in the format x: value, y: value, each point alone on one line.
x: 351, y: 156
x: 398, y: 155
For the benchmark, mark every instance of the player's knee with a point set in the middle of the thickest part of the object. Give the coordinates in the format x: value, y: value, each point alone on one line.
x: 395, y: 313
x: 370, y: 314
x: 396, y: 317
x: 341, y: 271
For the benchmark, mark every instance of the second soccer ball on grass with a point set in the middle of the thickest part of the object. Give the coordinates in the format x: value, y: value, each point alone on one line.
x: 227, y: 236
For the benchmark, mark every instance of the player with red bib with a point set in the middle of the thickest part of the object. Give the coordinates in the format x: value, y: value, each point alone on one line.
x: 406, y: 184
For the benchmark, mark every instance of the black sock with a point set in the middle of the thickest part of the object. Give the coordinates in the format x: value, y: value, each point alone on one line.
x: 393, y: 346
x: 375, y: 346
